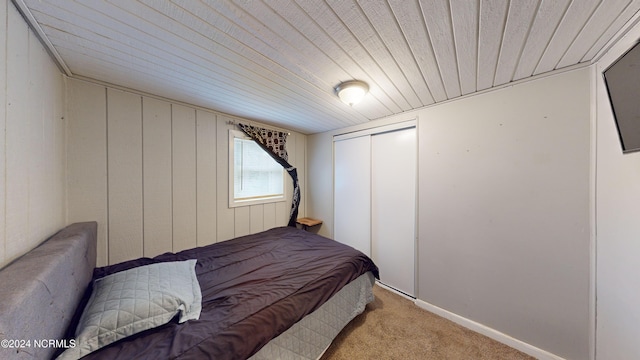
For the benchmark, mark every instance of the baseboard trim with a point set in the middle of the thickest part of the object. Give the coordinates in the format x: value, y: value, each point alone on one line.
x: 489, y: 332
x: 395, y: 291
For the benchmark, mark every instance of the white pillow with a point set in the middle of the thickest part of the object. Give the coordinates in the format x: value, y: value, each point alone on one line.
x: 134, y: 300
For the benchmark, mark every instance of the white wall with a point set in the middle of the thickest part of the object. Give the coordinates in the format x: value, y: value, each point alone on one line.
x: 618, y: 227
x: 154, y: 174
x: 504, y: 209
x: 32, y: 158
x: 320, y: 184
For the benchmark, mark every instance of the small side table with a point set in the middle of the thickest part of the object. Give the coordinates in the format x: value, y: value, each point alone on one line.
x: 307, y: 222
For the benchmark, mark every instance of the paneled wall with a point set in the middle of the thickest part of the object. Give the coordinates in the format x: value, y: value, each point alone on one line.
x: 154, y: 174
x: 32, y: 158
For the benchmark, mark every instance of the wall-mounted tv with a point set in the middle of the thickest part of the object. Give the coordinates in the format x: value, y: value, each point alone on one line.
x: 622, y: 79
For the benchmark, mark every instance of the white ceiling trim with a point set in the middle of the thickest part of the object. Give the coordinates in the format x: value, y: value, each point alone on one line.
x: 33, y: 24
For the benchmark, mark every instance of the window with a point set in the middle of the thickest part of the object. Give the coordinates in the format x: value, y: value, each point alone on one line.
x: 254, y: 177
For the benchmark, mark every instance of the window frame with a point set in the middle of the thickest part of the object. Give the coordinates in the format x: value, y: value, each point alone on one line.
x: 233, y: 203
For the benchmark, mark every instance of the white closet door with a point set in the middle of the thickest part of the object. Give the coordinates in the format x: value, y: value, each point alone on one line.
x: 352, y: 201
x: 393, y: 207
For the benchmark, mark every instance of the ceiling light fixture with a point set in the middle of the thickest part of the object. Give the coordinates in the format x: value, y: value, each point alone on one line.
x: 352, y: 91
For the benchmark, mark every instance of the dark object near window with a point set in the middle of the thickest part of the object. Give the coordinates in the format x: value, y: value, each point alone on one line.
x: 622, y: 79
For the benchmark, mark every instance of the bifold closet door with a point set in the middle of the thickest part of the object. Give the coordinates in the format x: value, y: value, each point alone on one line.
x: 393, y: 207
x: 352, y: 193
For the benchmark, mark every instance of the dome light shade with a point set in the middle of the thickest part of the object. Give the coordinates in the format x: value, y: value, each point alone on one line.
x: 352, y: 91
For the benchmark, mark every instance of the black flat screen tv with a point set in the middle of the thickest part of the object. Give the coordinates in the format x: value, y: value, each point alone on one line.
x: 622, y: 79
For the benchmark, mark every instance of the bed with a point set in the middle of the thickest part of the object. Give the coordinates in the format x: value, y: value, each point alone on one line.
x: 284, y: 293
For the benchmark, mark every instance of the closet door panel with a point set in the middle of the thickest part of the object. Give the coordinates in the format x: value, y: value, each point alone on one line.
x: 393, y: 207
x: 352, y: 193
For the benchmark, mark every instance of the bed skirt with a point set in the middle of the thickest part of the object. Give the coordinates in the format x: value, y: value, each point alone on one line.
x: 310, y: 337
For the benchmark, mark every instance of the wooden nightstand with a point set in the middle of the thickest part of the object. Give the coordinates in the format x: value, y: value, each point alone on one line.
x: 307, y: 222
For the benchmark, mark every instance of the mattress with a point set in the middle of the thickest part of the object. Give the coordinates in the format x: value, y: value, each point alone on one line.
x: 254, y: 288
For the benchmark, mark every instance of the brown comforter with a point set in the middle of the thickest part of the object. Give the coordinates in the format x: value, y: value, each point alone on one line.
x: 253, y: 288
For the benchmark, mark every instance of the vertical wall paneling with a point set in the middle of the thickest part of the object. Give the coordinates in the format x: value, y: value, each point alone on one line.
x: 184, y: 177
x: 34, y: 137
x: 300, y: 164
x: 269, y: 216
x: 154, y: 174
x: 17, y: 144
x: 45, y: 188
x: 124, y: 134
x: 157, y: 182
x: 61, y: 140
x: 225, y: 214
x: 87, y: 193
x: 242, y: 220
x: 319, y: 200
x: 54, y: 140
x: 3, y: 122
x: 283, y: 208
x: 256, y: 213
x: 206, y: 177
x: 32, y: 163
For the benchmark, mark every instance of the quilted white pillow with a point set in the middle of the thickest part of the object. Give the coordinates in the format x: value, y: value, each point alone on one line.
x: 134, y: 300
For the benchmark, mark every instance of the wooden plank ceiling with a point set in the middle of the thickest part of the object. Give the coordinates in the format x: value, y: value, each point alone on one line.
x: 277, y: 61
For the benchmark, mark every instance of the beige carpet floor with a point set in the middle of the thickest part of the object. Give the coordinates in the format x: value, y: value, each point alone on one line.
x: 393, y: 327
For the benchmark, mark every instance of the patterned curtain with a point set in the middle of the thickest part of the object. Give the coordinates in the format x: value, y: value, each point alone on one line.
x: 274, y: 143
